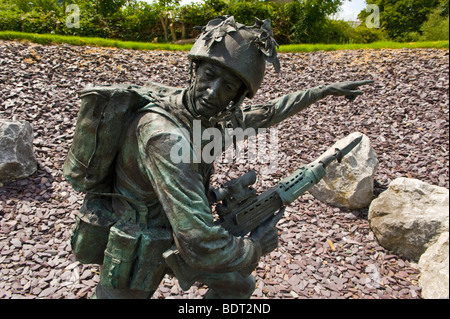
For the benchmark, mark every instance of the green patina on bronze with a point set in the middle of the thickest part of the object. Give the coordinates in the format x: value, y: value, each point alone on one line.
x: 144, y: 215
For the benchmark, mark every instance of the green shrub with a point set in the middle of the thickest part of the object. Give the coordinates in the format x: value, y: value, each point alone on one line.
x: 10, y: 18
x: 337, y: 31
x: 363, y: 34
x: 436, y: 27
x: 39, y: 22
x: 298, y: 21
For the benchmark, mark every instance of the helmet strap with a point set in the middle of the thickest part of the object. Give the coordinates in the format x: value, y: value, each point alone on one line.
x: 232, y: 113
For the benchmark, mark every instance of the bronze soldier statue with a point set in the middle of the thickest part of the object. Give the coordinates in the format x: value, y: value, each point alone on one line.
x: 153, y: 216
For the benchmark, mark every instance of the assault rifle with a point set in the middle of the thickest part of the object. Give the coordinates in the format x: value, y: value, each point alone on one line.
x: 241, y: 211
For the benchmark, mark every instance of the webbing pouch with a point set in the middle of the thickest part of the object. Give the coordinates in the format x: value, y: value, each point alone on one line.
x: 150, y: 265
x: 120, y: 255
x: 90, y: 234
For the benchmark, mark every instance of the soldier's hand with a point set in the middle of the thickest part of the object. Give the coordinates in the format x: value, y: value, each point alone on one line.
x: 267, y: 234
x: 349, y: 89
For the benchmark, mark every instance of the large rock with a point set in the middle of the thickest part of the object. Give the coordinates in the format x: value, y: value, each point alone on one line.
x: 349, y: 184
x: 409, y: 216
x: 17, y: 159
x: 433, y: 266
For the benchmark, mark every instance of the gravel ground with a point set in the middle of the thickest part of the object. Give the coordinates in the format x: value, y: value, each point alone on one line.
x: 324, y: 252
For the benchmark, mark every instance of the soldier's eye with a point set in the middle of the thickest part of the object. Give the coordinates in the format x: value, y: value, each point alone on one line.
x: 209, y: 74
x: 230, y: 87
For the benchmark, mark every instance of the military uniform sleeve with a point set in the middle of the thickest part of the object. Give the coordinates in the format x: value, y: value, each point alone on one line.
x: 275, y: 111
x: 181, y: 192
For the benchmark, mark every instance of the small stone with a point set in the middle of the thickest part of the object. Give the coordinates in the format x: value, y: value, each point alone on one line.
x: 47, y: 292
x: 16, y: 242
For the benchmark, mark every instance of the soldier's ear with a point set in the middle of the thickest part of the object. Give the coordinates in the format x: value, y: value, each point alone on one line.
x: 197, y: 64
x: 241, y: 94
x: 193, y: 67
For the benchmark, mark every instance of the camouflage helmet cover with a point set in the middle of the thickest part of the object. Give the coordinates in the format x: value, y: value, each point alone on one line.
x: 242, y: 49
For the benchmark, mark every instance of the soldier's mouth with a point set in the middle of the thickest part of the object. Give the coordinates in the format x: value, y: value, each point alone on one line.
x: 206, y: 104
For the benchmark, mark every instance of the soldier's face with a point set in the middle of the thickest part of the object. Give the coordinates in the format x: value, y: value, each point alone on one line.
x: 215, y: 87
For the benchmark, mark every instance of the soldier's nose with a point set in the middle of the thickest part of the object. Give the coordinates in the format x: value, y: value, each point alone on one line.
x: 212, y: 91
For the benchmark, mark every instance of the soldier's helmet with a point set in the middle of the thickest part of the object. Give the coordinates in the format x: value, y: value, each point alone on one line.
x: 242, y: 49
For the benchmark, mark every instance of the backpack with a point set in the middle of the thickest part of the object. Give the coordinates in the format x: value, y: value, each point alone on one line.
x: 104, y: 115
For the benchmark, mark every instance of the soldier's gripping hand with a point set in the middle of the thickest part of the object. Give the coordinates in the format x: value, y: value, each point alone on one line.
x: 349, y: 89
x: 266, y: 234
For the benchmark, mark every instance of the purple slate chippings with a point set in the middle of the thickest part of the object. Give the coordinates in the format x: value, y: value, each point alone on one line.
x: 324, y: 252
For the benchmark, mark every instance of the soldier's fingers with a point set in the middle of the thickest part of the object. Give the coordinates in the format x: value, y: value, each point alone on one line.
x: 355, y: 92
x: 275, y: 219
x: 272, y: 243
x: 358, y: 83
x: 351, y: 98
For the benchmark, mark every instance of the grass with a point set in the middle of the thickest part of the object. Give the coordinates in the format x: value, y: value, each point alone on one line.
x: 358, y: 46
x: 100, y: 42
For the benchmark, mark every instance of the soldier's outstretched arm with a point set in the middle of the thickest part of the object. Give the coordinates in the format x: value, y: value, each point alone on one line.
x: 277, y: 110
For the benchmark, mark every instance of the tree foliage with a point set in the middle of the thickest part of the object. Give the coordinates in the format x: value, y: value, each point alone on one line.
x: 403, y: 19
x: 312, y: 19
x: 437, y: 25
x: 298, y: 21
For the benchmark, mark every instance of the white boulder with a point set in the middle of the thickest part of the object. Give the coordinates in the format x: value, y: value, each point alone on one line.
x: 348, y: 184
x: 409, y: 216
x: 434, y: 269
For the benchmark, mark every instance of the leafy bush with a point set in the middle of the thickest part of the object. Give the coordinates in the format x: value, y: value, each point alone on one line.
x: 403, y: 20
x: 39, y: 22
x: 436, y: 27
x: 10, y: 18
x: 299, y: 21
x: 363, y: 34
